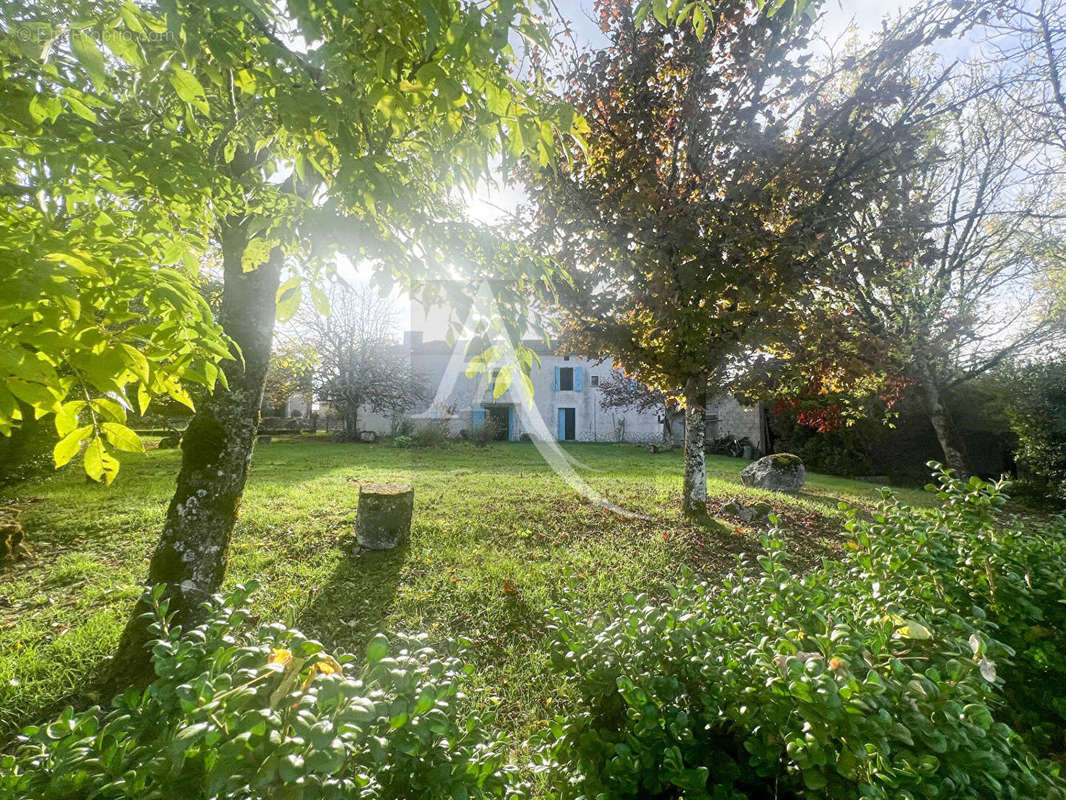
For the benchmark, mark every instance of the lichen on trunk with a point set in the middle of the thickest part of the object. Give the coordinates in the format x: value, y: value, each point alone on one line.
x: 216, y: 449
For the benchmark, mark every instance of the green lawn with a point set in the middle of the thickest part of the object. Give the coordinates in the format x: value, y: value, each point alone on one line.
x: 495, y: 535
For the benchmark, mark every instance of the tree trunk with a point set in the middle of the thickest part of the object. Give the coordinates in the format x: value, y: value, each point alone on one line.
x: 351, y: 422
x: 217, y: 447
x: 668, y: 428
x: 947, y: 435
x: 694, y: 491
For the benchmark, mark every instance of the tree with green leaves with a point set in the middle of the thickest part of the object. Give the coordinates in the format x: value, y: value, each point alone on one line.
x: 144, y: 140
x: 719, y: 173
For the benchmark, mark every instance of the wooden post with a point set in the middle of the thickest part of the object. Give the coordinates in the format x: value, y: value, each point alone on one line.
x: 383, y: 520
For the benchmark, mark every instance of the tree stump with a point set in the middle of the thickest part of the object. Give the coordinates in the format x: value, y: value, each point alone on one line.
x: 383, y: 520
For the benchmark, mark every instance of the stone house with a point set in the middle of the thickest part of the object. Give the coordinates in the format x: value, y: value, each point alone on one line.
x: 566, y: 401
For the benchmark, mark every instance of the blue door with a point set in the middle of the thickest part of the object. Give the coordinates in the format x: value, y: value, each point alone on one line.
x: 567, y: 425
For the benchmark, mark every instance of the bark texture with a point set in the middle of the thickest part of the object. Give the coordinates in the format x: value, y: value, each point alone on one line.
x: 193, y: 550
x: 947, y: 435
x: 694, y: 489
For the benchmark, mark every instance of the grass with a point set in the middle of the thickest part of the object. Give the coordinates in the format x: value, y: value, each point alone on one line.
x: 496, y: 535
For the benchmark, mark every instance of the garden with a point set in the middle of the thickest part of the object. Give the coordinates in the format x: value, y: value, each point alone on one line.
x: 527, y: 641
x: 718, y: 450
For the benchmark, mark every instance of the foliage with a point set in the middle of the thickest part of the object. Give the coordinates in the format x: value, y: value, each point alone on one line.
x: 1037, y: 413
x: 27, y: 451
x: 943, y: 279
x: 707, y: 203
x: 883, y: 675
x: 488, y: 431
x: 291, y: 368
x: 403, y: 442
x: 139, y: 140
x: 432, y: 433
x: 241, y: 711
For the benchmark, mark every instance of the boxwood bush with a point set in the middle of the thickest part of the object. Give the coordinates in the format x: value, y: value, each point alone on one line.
x: 884, y: 674
x: 242, y: 712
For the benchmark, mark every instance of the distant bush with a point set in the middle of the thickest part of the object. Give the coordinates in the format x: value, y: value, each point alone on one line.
x: 402, y: 442
x: 401, y: 425
x: 1037, y: 413
x: 237, y: 712
x: 882, y: 675
x: 27, y: 452
x: 487, y: 432
x: 434, y: 433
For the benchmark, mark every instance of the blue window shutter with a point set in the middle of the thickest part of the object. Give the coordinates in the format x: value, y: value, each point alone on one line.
x: 556, y: 384
x: 477, y: 417
x: 562, y: 421
x: 510, y: 424
x: 577, y: 378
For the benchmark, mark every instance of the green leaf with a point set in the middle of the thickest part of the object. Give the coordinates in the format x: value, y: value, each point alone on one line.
x: 256, y: 253
x: 502, y: 383
x: 85, y: 50
x: 66, y: 418
x: 913, y: 630
x: 289, y: 295
x: 659, y: 10
x: 94, y: 459
x: 136, y: 361
x: 78, y: 107
x: 42, y: 398
x: 188, y: 88
x: 122, y: 437
x: 68, y: 447
x: 377, y: 649
x: 98, y: 464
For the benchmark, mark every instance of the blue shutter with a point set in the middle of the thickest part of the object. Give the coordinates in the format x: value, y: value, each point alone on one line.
x: 561, y: 433
x: 477, y: 417
x: 577, y: 378
x: 510, y: 424
x: 556, y: 384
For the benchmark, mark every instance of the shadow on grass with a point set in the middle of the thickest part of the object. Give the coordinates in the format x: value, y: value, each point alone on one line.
x: 353, y: 604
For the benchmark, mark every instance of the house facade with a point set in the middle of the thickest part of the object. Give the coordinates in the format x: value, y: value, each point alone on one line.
x: 565, y: 401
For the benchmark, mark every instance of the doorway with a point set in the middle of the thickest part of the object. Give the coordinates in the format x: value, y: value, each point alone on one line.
x: 500, y: 417
x: 567, y: 424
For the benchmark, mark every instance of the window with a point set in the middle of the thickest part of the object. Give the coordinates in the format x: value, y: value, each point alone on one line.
x: 566, y: 358
x: 594, y: 380
x: 566, y: 379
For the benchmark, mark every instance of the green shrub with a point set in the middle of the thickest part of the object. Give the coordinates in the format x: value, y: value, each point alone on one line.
x: 265, y: 713
x: 880, y: 675
x: 433, y: 433
x: 487, y: 431
x: 402, y: 442
x: 27, y: 452
x: 1037, y: 413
